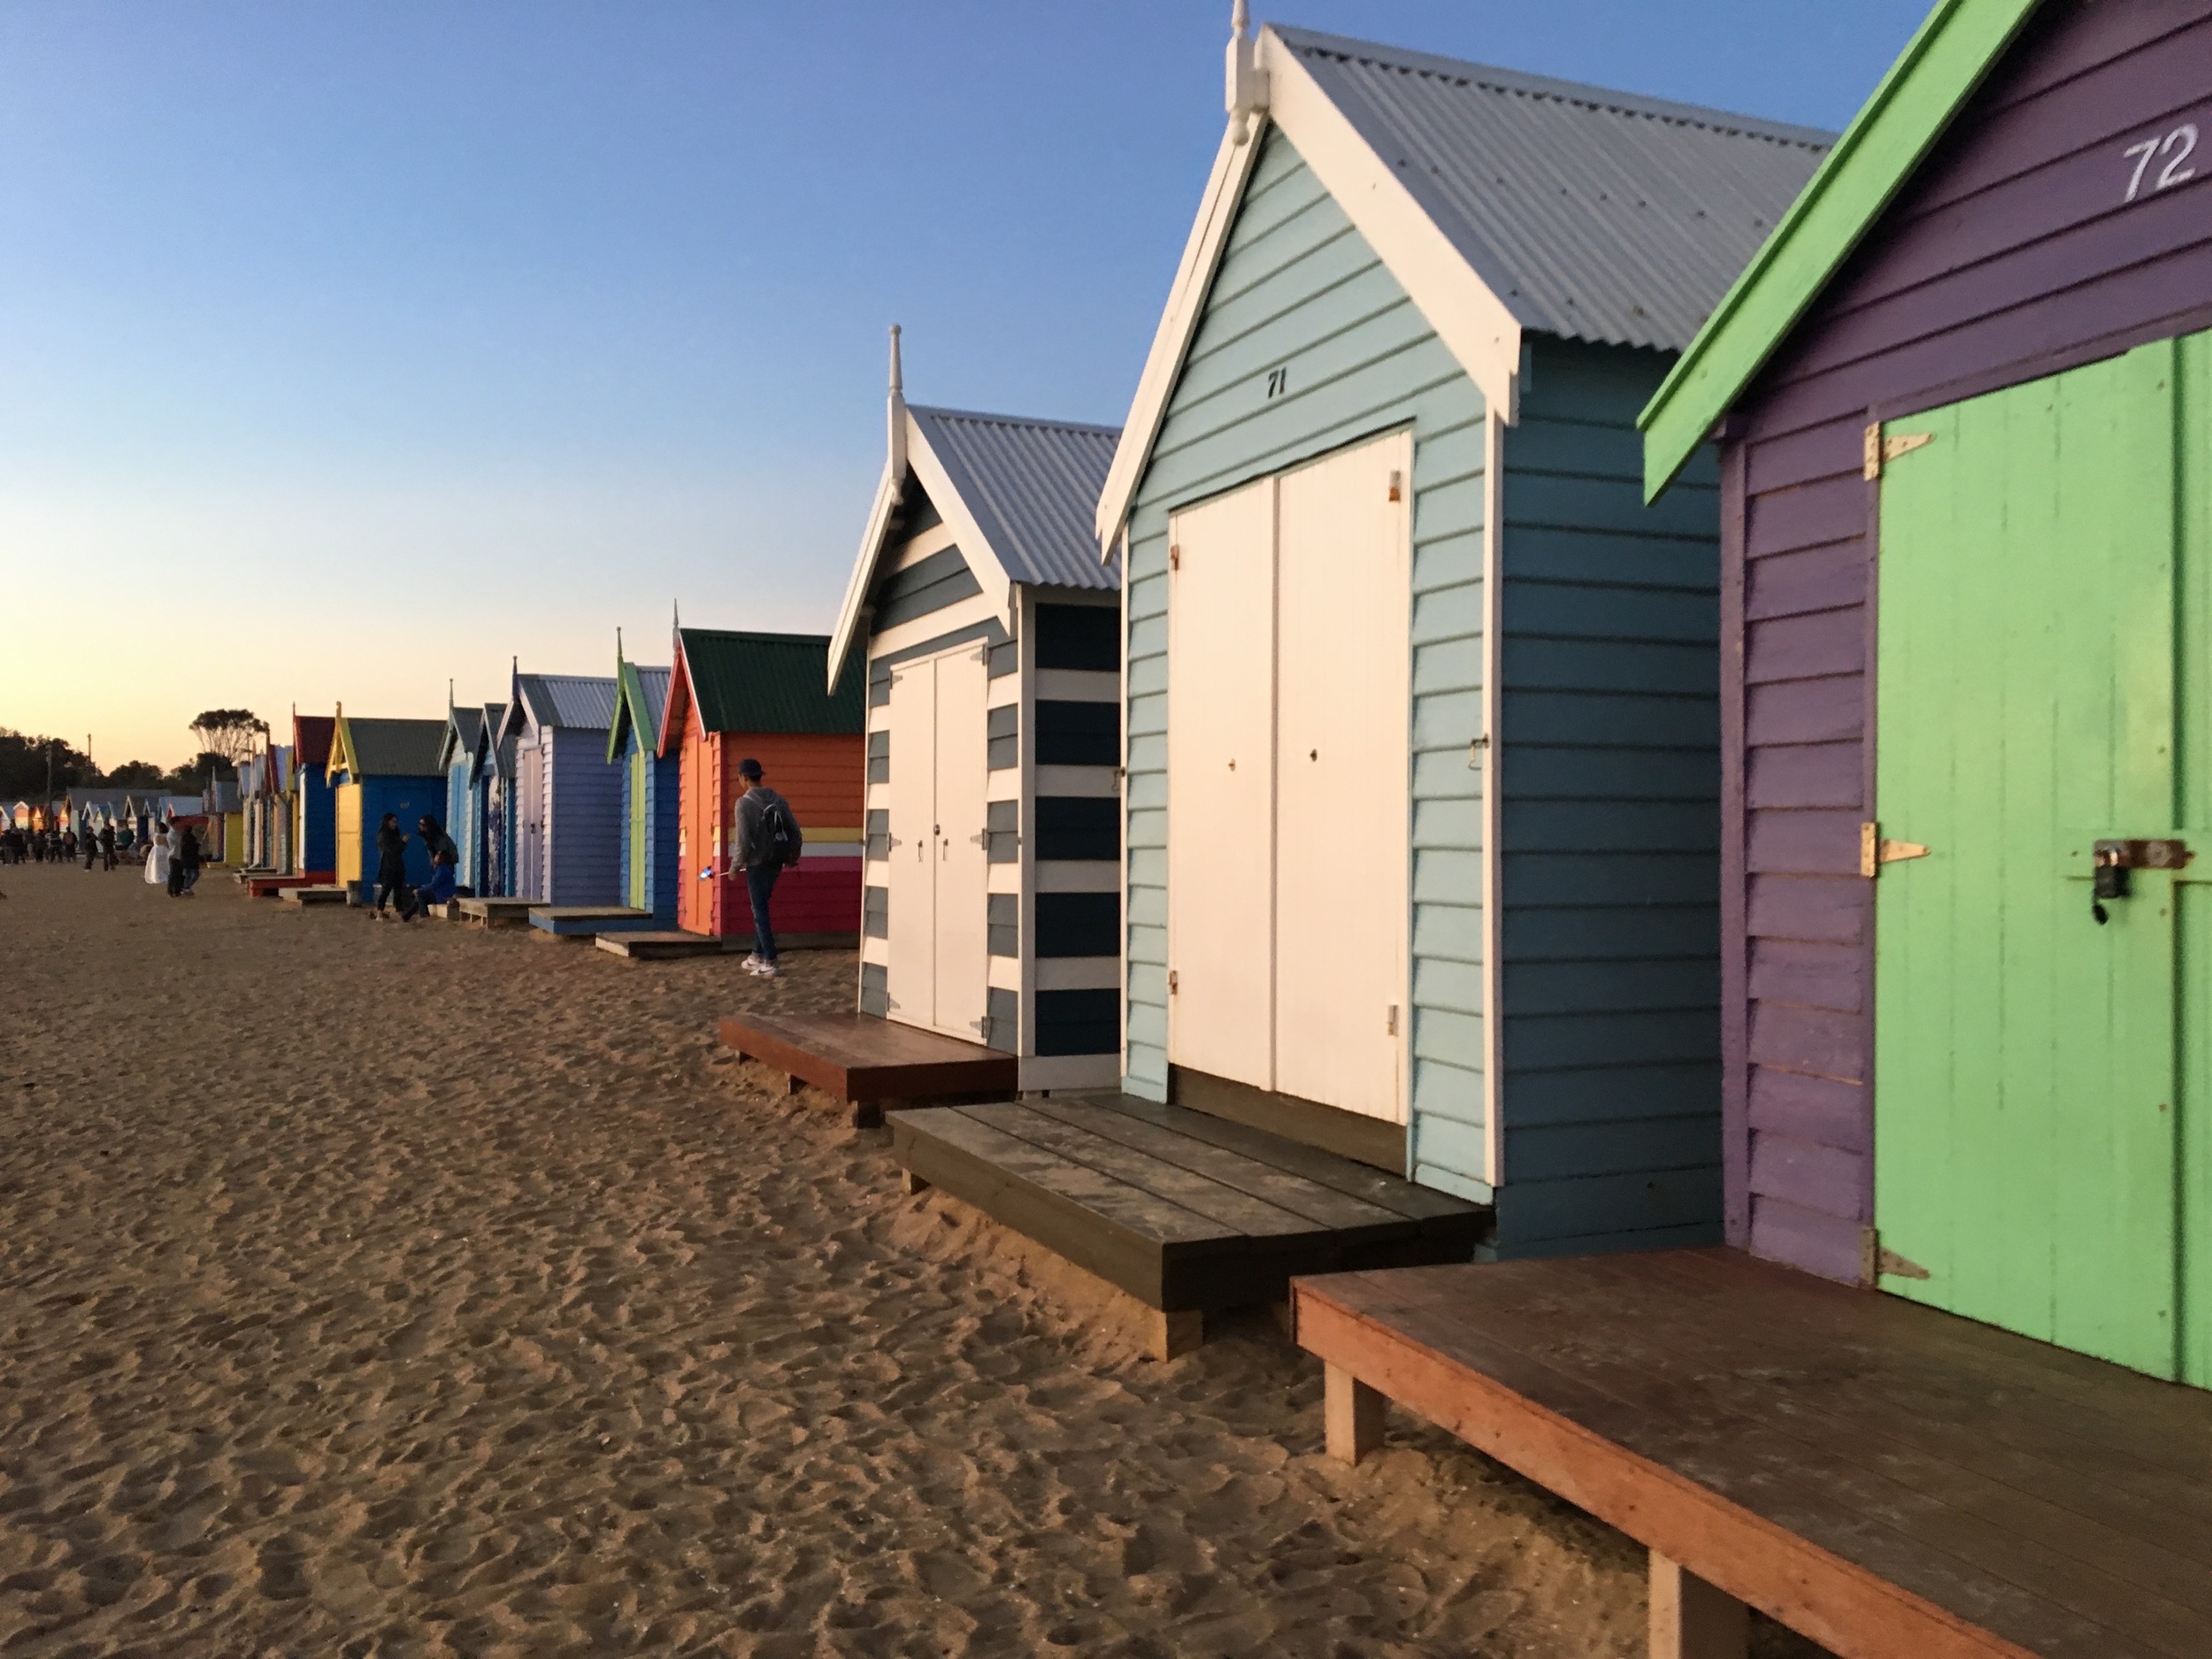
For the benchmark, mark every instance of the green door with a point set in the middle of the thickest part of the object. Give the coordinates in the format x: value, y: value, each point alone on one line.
x: 2041, y: 685
x: 639, y: 894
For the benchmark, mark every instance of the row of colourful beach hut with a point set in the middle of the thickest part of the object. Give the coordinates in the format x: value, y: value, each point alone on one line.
x: 1348, y: 744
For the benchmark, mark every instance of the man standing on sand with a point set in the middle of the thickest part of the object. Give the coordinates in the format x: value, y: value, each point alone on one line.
x: 768, y: 838
x: 107, y: 846
x: 391, y: 865
x: 184, y: 861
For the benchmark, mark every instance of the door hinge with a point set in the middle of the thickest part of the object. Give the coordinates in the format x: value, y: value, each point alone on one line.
x: 1397, y: 480
x: 1474, y: 751
x: 1175, y: 556
x: 1877, y: 1264
x: 1874, y: 852
x: 1390, y: 1023
x: 1880, y: 451
x: 1171, y: 982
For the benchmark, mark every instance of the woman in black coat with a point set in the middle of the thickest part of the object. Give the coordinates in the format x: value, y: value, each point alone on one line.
x: 391, y: 862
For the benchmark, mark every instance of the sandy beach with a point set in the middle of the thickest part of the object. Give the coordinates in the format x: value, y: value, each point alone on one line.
x: 372, y: 1290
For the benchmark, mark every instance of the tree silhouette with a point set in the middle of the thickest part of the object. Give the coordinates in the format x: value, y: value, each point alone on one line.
x: 230, y: 733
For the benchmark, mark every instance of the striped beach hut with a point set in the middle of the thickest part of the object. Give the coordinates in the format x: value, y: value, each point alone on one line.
x: 1963, y: 399
x: 735, y: 695
x: 314, y: 821
x: 1423, y: 772
x: 988, y: 633
x: 651, y: 793
x: 496, y: 776
x: 566, y: 801
x: 377, y: 766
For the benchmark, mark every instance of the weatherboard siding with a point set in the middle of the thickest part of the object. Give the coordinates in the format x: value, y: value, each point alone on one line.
x: 583, y: 819
x: 1300, y: 289
x: 2011, y: 255
x: 1610, y: 785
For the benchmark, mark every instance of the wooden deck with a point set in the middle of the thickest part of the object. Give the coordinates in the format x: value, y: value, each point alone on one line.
x: 869, y: 1062
x: 590, y: 920
x: 261, y: 886
x: 497, y: 912
x: 647, y: 945
x: 1891, y: 1481
x: 1186, y: 1212
x: 314, y: 896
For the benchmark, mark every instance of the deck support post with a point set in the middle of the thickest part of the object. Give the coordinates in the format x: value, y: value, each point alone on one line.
x: 1171, y: 1335
x: 793, y: 1085
x: 867, y: 1114
x: 912, y: 1182
x: 1690, y: 1619
x: 1353, y: 1415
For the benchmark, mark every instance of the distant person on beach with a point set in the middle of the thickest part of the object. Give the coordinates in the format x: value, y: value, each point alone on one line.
x: 69, y: 846
x: 107, y: 846
x: 88, y: 844
x: 768, y: 838
x: 445, y: 865
x: 391, y: 863
x: 157, y: 856
x: 184, y: 861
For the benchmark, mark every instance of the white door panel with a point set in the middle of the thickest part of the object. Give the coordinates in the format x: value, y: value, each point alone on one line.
x: 1221, y: 750
x: 910, y: 976
x: 963, y: 862
x: 1343, y: 643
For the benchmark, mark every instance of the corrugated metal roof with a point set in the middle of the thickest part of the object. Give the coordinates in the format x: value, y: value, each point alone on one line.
x: 468, y: 726
x: 395, y: 749
x: 769, y: 683
x: 1592, y: 214
x: 1032, y: 489
x: 583, y: 701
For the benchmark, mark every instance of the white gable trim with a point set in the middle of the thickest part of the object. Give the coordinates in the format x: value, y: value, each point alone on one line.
x: 1475, y: 325
x: 983, y: 560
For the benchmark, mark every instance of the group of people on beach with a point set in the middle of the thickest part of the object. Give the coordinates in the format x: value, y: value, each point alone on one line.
x: 392, y: 887
x: 51, y: 846
x: 174, y: 859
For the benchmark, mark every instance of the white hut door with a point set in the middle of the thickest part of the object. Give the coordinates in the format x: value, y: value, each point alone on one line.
x: 530, y: 836
x: 962, y: 897
x: 909, y: 977
x: 1344, y: 664
x: 1220, y: 803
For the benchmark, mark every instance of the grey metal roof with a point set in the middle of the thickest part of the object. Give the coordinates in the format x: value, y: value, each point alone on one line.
x: 654, y: 683
x: 396, y: 749
x: 1033, y: 488
x: 1592, y: 214
x: 468, y: 724
x: 569, y: 700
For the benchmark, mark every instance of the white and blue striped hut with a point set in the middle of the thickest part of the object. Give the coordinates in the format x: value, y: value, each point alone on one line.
x: 1423, y: 746
x: 988, y: 630
x: 567, y: 797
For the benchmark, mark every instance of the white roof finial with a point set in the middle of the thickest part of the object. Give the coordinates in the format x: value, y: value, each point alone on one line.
x: 1246, y: 97
x: 896, y: 417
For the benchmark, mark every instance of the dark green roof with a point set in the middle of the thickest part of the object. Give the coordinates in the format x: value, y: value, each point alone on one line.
x: 769, y: 683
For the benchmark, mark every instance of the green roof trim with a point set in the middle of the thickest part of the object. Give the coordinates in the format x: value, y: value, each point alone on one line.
x: 1939, y: 69
x: 769, y: 683
x: 629, y: 706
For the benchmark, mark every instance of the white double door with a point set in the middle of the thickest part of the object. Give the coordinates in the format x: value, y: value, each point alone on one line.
x: 938, y: 973
x: 1289, y: 708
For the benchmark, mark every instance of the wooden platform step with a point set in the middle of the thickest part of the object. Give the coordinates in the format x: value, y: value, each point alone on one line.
x: 586, y: 920
x: 314, y: 896
x: 497, y: 912
x: 645, y: 945
x: 264, y: 886
x: 1186, y: 1212
x: 1890, y: 1480
x: 869, y: 1062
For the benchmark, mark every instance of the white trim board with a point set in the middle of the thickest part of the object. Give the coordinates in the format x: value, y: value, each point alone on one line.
x: 1477, y: 326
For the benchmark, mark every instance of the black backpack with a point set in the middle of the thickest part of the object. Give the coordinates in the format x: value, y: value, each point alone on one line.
x: 779, y: 833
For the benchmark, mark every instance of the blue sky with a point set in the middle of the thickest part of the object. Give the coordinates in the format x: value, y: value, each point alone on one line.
x: 353, y: 347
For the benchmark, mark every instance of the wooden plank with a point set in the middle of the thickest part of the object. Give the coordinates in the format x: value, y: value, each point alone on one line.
x: 1319, y: 1205
x: 1353, y: 1415
x: 2056, y: 1500
x: 1853, y: 1612
x: 1324, y: 1169
x: 860, y: 1057
x: 1219, y: 1203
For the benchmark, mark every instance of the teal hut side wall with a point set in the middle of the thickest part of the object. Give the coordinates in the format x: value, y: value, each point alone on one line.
x: 1609, y: 751
x: 1610, y: 783
x: 1299, y: 287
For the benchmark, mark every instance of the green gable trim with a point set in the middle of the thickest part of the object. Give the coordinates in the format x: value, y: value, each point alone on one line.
x: 1938, y: 72
x: 769, y: 683
x: 629, y: 709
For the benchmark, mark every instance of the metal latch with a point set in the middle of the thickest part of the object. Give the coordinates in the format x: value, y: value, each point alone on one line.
x: 1171, y: 982
x: 1874, y: 852
x: 2110, y: 861
x: 1880, y: 451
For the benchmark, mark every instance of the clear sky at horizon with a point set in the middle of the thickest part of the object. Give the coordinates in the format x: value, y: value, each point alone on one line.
x: 353, y: 347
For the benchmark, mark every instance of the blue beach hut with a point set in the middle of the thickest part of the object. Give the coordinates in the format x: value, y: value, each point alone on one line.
x: 379, y: 766
x: 464, y: 791
x: 650, y: 788
x: 566, y: 795
x: 314, y: 813
x: 1421, y: 752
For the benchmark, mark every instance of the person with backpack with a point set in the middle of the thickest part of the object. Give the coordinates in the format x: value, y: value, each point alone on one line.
x: 445, y: 860
x: 768, y: 839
